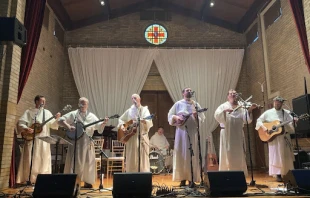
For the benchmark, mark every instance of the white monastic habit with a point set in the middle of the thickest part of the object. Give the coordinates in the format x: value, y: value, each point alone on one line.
x: 161, y: 142
x: 132, y: 158
x: 85, y: 164
x: 41, y: 160
x: 232, y: 140
x: 281, y: 156
x: 181, y: 155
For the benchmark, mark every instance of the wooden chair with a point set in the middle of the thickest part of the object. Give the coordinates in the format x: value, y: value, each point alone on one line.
x: 98, y: 145
x: 116, y: 162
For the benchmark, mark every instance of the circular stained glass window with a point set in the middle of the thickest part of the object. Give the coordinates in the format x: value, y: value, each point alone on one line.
x: 156, y: 34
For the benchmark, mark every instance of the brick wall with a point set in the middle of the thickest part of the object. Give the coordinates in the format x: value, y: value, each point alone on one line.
x: 52, y: 77
x: 129, y: 31
x: 287, y: 67
x: 46, y: 76
x: 10, y: 62
x: 286, y: 62
x: 9, y: 68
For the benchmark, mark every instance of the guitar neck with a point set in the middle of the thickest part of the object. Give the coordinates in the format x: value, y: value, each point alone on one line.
x: 284, y: 123
x: 46, y: 121
x: 87, y: 125
x: 199, y: 111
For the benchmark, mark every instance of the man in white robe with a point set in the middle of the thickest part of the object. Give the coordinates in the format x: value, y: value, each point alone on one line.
x: 281, y: 156
x: 181, y: 154
x: 41, y: 159
x: 85, y: 163
x: 159, y: 141
x: 232, y: 118
x: 132, y: 158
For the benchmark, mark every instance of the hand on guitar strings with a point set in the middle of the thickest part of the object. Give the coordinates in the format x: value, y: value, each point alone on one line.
x: 71, y: 128
x: 57, y: 115
x: 29, y: 130
x: 228, y: 110
x: 178, y: 119
x: 264, y: 128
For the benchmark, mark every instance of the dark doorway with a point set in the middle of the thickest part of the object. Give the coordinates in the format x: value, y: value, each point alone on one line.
x: 159, y: 103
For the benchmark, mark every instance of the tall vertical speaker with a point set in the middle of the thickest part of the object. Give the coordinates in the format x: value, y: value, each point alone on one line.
x: 301, y: 105
x: 298, y: 179
x: 132, y: 185
x: 12, y: 30
x: 55, y: 185
x: 225, y: 183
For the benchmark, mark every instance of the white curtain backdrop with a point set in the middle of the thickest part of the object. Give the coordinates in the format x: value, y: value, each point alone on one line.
x: 109, y: 76
x: 209, y: 72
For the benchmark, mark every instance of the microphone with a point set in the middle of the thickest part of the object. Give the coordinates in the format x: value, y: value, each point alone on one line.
x: 134, y: 101
x: 41, y: 105
x: 239, y: 94
x: 192, y: 92
x: 80, y: 105
x: 293, y: 114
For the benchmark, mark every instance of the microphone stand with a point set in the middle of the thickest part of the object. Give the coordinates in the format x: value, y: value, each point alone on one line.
x: 32, y: 148
x: 252, y: 182
x: 101, y: 188
x: 191, y: 185
x: 28, y: 183
x: 296, y: 139
x: 199, y: 146
x: 75, y: 138
x: 139, y: 138
x: 294, y: 115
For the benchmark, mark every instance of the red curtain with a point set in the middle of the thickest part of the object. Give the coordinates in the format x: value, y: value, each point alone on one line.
x: 298, y: 13
x: 34, y: 15
x: 12, y: 181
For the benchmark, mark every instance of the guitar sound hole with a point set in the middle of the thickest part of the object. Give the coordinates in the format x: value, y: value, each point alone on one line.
x: 274, y: 128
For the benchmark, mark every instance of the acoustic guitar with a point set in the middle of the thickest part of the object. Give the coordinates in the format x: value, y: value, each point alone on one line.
x: 80, y: 128
x: 275, y: 128
x: 211, y: 159
x: 176, y: 122
x: 38, y: 127
x: 129, y: 129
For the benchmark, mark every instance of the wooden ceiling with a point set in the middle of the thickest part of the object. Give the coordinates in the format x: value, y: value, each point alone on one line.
x: 235, y: 15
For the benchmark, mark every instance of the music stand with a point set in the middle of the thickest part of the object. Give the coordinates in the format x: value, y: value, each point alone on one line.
x: 55, y: 139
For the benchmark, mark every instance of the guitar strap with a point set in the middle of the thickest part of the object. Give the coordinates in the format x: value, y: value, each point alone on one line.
x: 283, y: 121
x: 43, y: 116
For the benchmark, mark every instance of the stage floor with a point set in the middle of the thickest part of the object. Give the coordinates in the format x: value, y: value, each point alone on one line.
x: 266, y: 186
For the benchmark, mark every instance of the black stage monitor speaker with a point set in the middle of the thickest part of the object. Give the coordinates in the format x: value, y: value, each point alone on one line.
x: 299, y: 179
x: 55, y: 185
x: 132, y: 185
x: 300, y: 106
x: 12, y: 30
x: 225, y: 183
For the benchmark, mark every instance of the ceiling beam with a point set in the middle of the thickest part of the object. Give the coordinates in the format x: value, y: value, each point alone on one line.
x: 163, y: 4
x: 235, y: 5
x: 60, y: 13
x: 197, y: 15
x: 108, y: 6
x: 205, y: 7
x: 251, y: 14
x: 114, y: 13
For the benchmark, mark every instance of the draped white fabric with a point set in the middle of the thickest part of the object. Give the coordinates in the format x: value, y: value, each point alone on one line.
x: 109, y: 76
x: 209, y: 72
